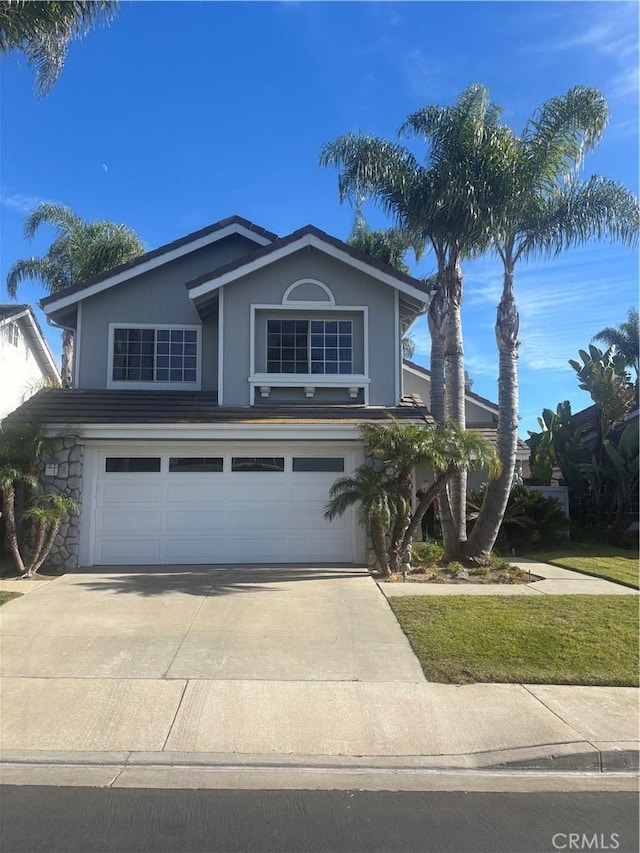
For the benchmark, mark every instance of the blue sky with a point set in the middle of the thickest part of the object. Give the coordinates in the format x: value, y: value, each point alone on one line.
x: 180, y: 114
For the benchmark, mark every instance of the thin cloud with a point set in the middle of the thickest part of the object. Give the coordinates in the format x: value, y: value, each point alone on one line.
x: 20, y: 202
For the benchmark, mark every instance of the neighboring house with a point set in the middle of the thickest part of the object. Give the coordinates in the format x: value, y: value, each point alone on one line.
x: 25, y: 358
x: 219, y: 384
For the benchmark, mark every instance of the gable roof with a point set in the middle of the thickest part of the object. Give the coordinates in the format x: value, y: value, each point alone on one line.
x: 482, y: 401
x: 190, y: 243
x: 23, y: 315
x: 309, y: 235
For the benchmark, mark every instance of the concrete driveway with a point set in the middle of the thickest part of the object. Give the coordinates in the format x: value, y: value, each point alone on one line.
x: 280, y: 623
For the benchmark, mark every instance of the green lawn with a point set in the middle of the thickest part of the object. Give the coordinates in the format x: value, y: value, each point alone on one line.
x: 603, y: 561
x: 7, y: 596
x: 555, y: 639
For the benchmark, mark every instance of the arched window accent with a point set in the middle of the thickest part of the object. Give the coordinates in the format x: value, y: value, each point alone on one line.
x: 308, y: 290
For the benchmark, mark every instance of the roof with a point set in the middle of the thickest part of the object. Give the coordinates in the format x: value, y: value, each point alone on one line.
x: 294, y: 237
x: 471, y: 394
x: 82, y: 406
x: 23, y: 315
x: 131, y: 268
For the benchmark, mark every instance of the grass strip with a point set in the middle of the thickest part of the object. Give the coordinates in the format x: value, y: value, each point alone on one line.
x: 600, y: 561
x: 7, y: 596
x: 555, y: 639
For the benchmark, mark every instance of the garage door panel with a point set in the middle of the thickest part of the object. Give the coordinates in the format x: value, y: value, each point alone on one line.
x: 117, y: 522
x: 129, y: 492
x: 217, y: 516
x: 135, y: 551
x: 206, y: 550
x: 194, y: 522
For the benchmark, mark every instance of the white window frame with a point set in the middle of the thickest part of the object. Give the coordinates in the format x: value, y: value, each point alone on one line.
x: 13, y: 335
x: 359, y: 381
x: 135, y: 385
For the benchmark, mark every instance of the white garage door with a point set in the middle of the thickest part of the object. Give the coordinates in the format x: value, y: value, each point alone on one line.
x: 231, y: 505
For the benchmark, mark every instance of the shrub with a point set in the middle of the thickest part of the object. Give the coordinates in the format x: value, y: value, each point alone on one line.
x: 455, y: 567
x: 528, y: 519
x: 428, y: 553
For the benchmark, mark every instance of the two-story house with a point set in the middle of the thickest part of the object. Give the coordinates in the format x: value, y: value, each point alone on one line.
x: 26, y: 361
x: 219, y: 384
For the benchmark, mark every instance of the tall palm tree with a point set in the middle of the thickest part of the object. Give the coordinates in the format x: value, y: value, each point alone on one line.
x: 43, y: 30
x: 546, y: 210
x: 80, y: 251
x: 449, y: 203
x: 625, y: 338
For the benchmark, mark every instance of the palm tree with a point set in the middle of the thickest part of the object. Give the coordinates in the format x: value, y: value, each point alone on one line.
x: 367, y: 489
x: 449, y: 204
x: 43, y: 30
x: 81, y: 250
x: 383, y: 486
x: 546, y: 210
x: 625, y: 338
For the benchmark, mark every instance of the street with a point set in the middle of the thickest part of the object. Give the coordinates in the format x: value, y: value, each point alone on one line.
x: 118, y: 820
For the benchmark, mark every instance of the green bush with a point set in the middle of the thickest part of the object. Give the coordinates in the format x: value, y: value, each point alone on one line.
x: 454, y: 567
x: 428, y: 553
x: 529, y: 518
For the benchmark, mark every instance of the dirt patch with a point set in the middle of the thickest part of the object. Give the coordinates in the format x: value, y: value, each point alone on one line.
x: 443, y: 574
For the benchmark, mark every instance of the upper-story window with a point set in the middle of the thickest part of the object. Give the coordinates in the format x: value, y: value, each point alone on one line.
x: 310, y: 346
x: 146, y: 354
x: 14, y: 334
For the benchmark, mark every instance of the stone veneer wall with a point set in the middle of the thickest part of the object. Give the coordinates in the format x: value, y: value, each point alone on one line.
x: 68, y: 453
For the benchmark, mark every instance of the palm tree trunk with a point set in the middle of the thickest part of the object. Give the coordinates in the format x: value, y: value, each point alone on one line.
x: 379, y: 543
x: 67, y: 359
x: 455, y: 403
x: 8, y: 513
x: 32, y: 563
x: 48, y: 545
x: 487, y: 526
x: 438, y: 317
x: 432, y: 492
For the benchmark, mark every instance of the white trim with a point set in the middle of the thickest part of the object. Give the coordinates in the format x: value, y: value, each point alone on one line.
x: 365, y: 320
x: 312, y: 240
x: 397, y: 344
x: 300, y: 281
x: 300, y: 380
x: 76, y: 348
x: 254, y: 431
x: 124, y: 384
x: 153, y: 263
x: 488, y: 408
x: 221, y: 347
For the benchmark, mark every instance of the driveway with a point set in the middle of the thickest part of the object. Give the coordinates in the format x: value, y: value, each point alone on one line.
x: 279, y: 623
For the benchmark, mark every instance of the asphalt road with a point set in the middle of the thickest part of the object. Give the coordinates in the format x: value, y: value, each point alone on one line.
x: 118, y: 820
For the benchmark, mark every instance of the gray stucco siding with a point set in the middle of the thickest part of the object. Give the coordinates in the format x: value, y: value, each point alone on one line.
x: 349, y: 287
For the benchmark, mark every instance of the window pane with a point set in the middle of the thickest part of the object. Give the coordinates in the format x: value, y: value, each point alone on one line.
x: 344, y: 327
x: 190, y: 375
x: 162, y: 334
x: 346, y: 368
x: 132, y: 464
x: 193, y: 464
x: 316, y: 326
x: 175, y: 376
x: 162, y: 374
x: 318, y: 463
x: 146, y: 374
x: 257, y: 463
x: 288, y: 327
x: 177, y: 335
x: 190, y: 349
x: 191, y: 336
x: 331, y: 327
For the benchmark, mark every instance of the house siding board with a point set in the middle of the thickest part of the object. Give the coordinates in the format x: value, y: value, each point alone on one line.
x: 350, y: 287
x: 158, y: 296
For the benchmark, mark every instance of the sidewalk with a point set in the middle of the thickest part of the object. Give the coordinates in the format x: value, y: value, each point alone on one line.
x: 62, y: 724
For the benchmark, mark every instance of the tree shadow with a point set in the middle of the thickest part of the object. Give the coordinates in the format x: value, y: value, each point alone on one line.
x: 209, y: 580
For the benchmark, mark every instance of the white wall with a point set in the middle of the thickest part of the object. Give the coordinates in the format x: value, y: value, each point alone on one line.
x: 18, y: 370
